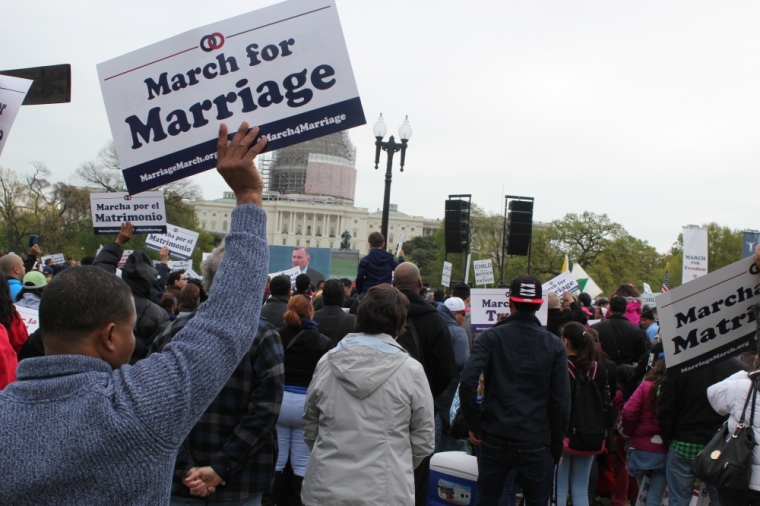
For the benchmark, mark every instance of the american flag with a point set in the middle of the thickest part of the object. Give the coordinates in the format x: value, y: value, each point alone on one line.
x: 665, y: 281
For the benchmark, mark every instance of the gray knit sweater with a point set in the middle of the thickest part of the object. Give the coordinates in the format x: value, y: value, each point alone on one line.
x: 73, y: 431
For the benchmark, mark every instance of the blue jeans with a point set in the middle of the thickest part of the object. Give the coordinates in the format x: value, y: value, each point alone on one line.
x: 290, y: 434
x: 254, y: 500
x: 641, y: 462
x: 681, y: 481
x: 532, y: 462
x: 572, y: 475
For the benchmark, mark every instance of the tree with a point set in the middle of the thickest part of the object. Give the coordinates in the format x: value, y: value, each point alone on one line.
x: 584, y: 237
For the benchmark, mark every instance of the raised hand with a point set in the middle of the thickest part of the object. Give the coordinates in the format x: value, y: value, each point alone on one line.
x: 125, y: 234
x: 235, y: 163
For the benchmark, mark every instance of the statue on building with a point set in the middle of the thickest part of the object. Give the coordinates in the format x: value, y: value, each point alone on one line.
x: 346, y: 242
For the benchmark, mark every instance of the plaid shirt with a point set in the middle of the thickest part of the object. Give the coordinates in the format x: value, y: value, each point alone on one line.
x: 688, y: 450
x: 236, y: 434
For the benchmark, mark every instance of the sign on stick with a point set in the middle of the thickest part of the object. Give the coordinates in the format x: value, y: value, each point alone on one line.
x: 12, y: 93
x: 146, y: 211
x: 180, y: 241
x: 446, y: 274
x: 483, y: 272
x: 292, y: 273
x: 710, y: 318
x: 58, y: 258
x: 31, y: 318
x: 284, y: 68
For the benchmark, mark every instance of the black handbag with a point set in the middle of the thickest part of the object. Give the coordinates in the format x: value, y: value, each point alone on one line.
x: 726, y: 461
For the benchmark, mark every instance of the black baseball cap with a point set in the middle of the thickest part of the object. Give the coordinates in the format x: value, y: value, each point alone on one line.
x: 526, y: 289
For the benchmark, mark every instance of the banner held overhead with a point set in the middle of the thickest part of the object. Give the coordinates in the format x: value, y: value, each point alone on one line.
x: 694, y: 253
x: 284, y: 68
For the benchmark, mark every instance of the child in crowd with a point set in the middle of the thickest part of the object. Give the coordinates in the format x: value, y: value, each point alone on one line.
x: 377, y: 267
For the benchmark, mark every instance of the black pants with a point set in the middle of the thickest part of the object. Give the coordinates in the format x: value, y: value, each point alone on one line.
x: 737, y: 497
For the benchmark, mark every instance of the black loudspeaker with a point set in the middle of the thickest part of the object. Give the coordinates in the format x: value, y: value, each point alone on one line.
x: 457, y: 226
x: 519, y: 227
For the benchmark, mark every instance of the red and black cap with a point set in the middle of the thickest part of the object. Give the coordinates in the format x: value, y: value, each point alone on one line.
x: 526, y: 289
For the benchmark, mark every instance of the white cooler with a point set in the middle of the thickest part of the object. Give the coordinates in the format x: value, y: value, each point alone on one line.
x: 453, y: 479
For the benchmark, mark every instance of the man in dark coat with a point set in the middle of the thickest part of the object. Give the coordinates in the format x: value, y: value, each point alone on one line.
x: 333, y: 321
x: 430, y: 344
x: 140, y: 275
x: 277, y: 303
x: 621, y: 340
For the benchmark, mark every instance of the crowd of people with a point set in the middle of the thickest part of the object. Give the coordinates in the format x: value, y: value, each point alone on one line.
x: 144, y: 387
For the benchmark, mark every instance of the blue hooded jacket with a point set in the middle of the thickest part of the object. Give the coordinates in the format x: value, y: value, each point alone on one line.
x: 375, y: 269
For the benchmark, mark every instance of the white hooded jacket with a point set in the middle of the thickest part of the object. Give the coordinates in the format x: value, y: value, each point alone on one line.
x: 369, y: 422
x: 729, y: 396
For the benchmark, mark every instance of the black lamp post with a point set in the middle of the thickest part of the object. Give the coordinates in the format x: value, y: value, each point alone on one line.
x: 404, y: 133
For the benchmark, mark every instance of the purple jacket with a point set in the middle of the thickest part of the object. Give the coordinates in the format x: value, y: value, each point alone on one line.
x: 640, y: 422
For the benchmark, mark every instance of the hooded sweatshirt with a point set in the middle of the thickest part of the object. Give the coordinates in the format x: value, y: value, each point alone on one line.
x: 138, y: 272
x: 369, y: 422
x: 375, y: 269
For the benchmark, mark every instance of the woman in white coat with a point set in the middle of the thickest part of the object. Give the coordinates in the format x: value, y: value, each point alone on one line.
x: 728, y: 397
x: 368, y: 417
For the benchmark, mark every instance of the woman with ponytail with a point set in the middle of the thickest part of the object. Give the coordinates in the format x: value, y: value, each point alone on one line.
x: 589, y: 414
x: 648, y: 450
x: 304, y: 346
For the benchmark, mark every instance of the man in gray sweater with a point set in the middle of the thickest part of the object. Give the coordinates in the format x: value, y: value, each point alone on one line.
x: 80, y: 426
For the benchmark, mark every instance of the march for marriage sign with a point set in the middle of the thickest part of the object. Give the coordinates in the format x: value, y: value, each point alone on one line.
x: 12, y: 93
x: 488, y: 305
x: 710, y: 318
x: 30, y: 317
x: 565, y: 282
x: 146, y: 212
x: 178, y: 265
x: 284, y: 68
x: 292, y: 273
x: 180, y: 241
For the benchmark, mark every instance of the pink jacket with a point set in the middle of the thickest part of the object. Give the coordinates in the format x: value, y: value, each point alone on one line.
x: 640, y: 422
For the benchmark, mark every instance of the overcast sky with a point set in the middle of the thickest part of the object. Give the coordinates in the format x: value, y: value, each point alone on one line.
x: 646, y: 111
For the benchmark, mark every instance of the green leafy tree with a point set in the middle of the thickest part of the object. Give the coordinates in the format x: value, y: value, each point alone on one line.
x: 585, y: 236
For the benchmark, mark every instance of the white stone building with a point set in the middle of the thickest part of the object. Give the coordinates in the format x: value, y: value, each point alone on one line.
x: 316, y: 222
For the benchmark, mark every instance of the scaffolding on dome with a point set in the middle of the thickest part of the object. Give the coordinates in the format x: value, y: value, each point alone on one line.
x: 284, y: 172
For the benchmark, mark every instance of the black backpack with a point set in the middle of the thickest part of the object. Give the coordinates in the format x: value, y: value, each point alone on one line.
x: 410, y: 341
x: 588, y: 427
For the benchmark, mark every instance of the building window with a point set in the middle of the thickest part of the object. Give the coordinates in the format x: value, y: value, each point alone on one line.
x: 371, y: 226
x: 317, y: 244
x: 308, y: 242
x: 225, y: 215
x: 319, y: 218
x: 284, y: 242
x: 403, y: 228
x: 412, y: 229
x: 224, y: 226
x: 213, y: 214
x: 355, y: 232
x: 298, y: 242
x: 203, y: 224
x: 204, y: 213
x: 298, y: 229
x: 391, y: 239
x: 319, y: 230
x: 332, y: 231
x: 284, y: 228
x: 308, y: 229
x: 356, y: 221
x: 331, y: 245
x: 213, y: 225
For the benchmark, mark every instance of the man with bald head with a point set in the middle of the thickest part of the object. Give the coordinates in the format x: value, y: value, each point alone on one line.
x: 13, y: 268
x: 432, y: 347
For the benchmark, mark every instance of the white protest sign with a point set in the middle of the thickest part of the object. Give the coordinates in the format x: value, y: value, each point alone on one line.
x: 401, y: 242
x: 146, y: 211
x: 649, y: 299
x: 483, y: 272
x: 694, y: 253
x: 565, y: 282
x: 12, y: 93
x: 292, y: 273
x: 284, y: 68
x: 204, y: 256
x: 446, y: 274
x: 58, y: 258
x: 709, y: 319
x: 180, y: 241
x: 124, y: 256
x: 647, y: 288
x: 191, y: 274
x: 488, y: 305
x: 177, y: 265
x: 31, y: 318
